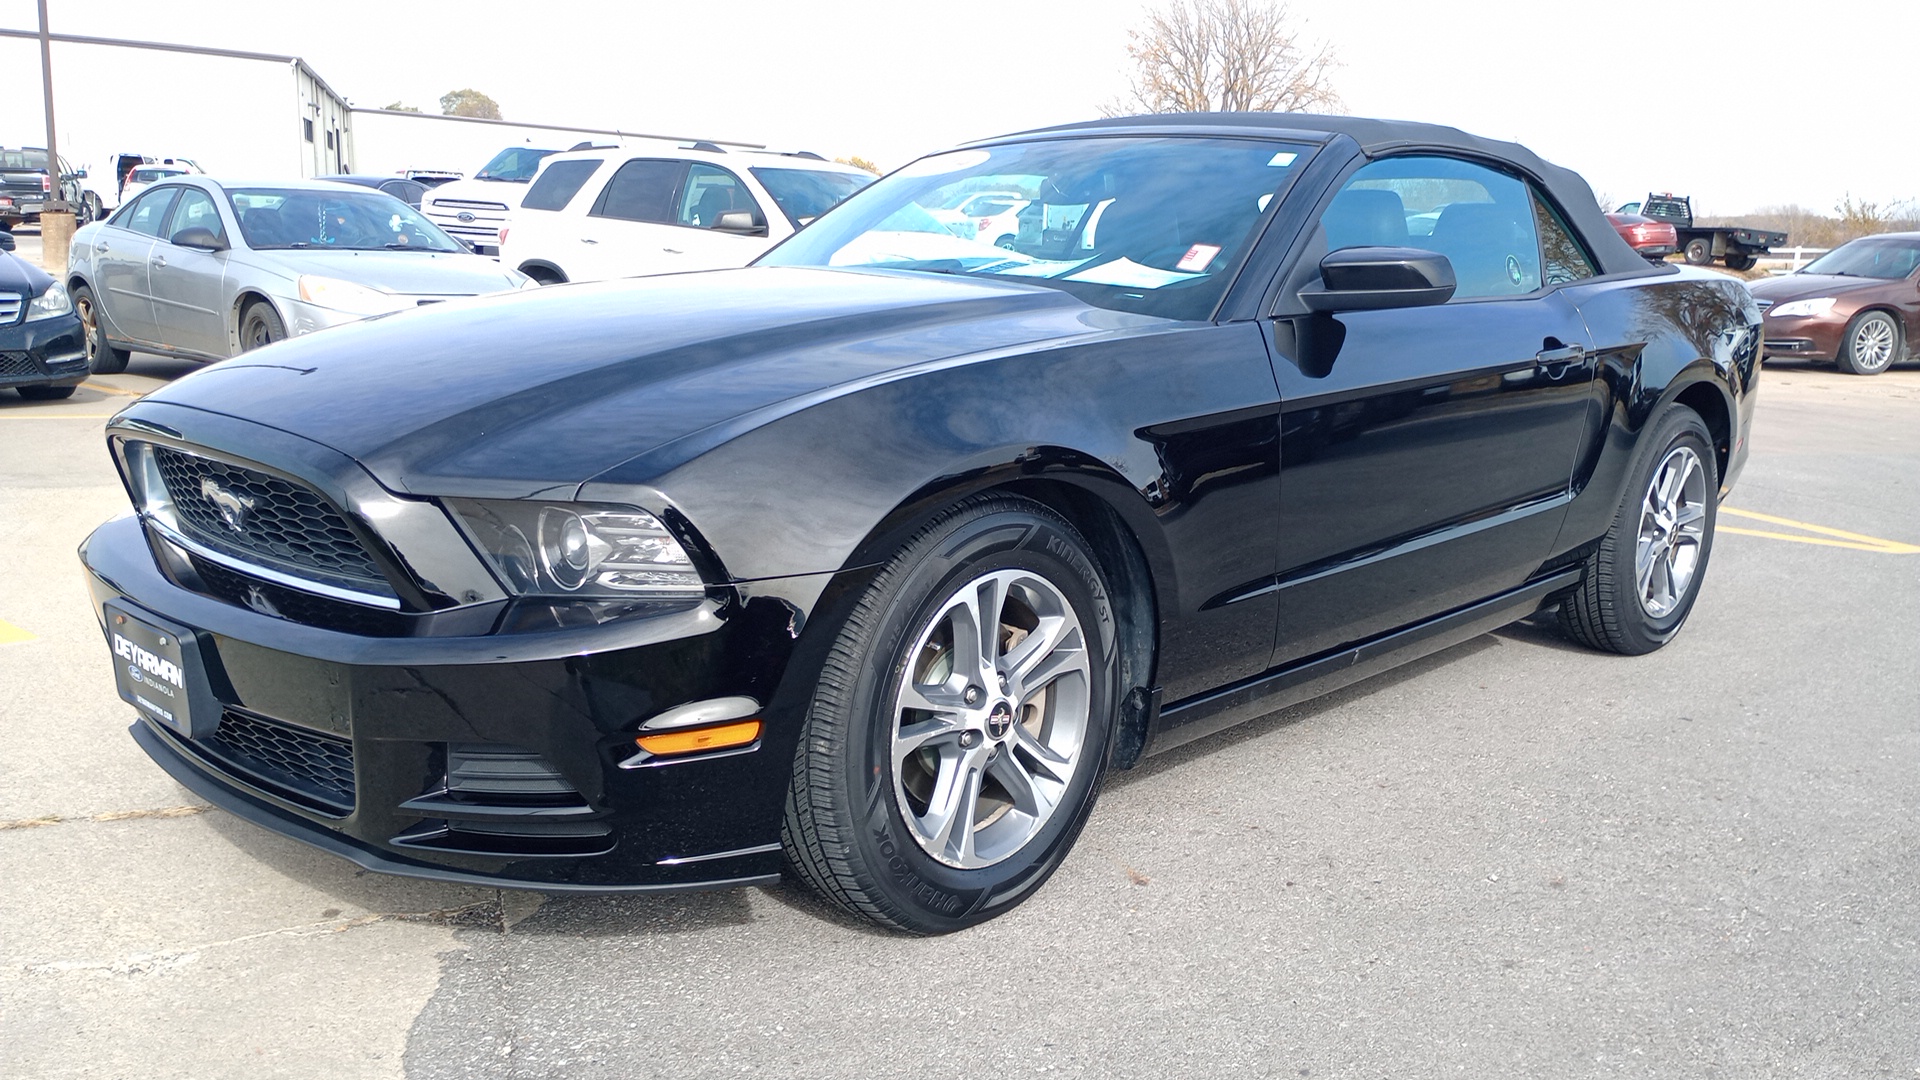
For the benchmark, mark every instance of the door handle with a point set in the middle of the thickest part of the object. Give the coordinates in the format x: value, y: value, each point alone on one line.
x: 100, y: 248
x: 1558, y: 360
x: 158, y: 260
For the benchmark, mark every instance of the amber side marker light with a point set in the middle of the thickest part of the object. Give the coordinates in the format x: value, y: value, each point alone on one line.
x: 739, y: 733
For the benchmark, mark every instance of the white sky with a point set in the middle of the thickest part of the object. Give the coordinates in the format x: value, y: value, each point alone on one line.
x: 1635, y: 95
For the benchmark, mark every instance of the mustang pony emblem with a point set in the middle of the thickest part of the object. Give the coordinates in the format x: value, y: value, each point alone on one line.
x: 233, y: 508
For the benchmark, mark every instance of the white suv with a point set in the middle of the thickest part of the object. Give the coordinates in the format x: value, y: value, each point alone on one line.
x: 610, y: 213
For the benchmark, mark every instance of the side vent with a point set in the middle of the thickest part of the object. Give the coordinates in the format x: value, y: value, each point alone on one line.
x: 505, y: 801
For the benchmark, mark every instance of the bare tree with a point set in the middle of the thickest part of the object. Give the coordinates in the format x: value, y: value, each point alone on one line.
x: 1226, y: 56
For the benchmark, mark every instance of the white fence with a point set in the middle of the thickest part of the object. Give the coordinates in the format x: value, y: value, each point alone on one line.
x: 1787, y: 260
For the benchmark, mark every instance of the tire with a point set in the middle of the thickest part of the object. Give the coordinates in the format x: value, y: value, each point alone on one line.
x: 93, y: 207
x: 1640, y: 585
x: 1739, y: 261
x: 260, y: 325
x: 46, y: 393
x: 895, y: 726
x: 102, y: 358
x: 1870, y: 345
x: 1005, y: 243
x: 1699, y: 251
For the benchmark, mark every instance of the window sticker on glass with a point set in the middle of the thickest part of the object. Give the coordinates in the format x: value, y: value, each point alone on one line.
x: 1197, y: 257
x: 1128, y: 274
x: 1281, y: 160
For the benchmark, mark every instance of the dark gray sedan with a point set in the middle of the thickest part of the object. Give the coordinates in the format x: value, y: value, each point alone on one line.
x: 205, y: 269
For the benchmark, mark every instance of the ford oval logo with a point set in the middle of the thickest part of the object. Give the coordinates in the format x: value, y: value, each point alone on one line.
x: 464, y: 217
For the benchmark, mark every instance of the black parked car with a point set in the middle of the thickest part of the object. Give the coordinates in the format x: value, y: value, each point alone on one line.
x: 869, y: 560
x: 43, y: 353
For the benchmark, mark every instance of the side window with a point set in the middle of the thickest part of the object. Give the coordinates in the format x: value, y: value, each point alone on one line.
x: 147, y: 213
x: 1562, y: 257
x: 642, y: 190
x: 1480, y: 219
x: 556, y: 187
x: 196, y: 211
x: 709, y: 193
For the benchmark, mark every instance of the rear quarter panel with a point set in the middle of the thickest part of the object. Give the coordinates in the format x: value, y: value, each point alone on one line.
x: 1694, y: 334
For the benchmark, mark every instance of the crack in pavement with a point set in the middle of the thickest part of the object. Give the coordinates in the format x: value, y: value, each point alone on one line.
x: 484, y: 914
x: 110, y: 815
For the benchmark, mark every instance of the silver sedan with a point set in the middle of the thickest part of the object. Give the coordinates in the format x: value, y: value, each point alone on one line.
x: 205, y: 269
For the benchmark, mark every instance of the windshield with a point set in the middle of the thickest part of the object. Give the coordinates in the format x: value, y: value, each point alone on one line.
x: 342, y: 221
x: 1153, y: 225
x: 515, y: 163
x: 1890, y: 259
x: 805, y: 194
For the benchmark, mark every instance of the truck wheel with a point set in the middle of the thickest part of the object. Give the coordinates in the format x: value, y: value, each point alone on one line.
x: 1700, y: 251
x: 1740, y: 261
x: 1871, y: 344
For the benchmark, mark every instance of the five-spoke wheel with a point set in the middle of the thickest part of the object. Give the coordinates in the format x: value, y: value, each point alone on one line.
x: 961, y: 721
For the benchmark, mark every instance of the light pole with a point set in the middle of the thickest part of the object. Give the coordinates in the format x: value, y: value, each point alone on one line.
x: 56, y: 217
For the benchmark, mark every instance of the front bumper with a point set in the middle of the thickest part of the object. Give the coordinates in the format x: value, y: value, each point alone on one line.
x: 1813, y: 338
x: 44, y: 352
x: 390, y: 715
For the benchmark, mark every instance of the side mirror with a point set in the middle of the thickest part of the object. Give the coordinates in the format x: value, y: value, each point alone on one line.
x: 741, y: 222
x: 1374, y: 278
x: 6, y: 240
x: 198, y: 236
x: 79, y: 175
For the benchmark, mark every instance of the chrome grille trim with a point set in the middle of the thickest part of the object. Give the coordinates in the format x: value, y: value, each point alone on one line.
x: 290, y: 581
x: 11, y: 305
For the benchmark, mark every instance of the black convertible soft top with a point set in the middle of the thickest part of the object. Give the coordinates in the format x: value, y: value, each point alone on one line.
x: 1380, y: 137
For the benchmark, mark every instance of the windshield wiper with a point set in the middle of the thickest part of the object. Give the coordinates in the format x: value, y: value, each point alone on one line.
x: 419, y: 247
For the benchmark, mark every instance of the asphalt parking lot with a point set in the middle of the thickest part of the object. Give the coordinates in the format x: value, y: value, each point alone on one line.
x: 1516, y: 858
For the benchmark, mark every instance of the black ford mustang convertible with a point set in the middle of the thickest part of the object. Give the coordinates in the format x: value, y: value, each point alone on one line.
x: 868, y: 561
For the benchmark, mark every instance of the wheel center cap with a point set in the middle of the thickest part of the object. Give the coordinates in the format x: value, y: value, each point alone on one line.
x: 1000, y: 720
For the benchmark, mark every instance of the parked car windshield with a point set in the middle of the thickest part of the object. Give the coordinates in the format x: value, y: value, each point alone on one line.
x: 805, y: 194
x: 1153, y: 225
x: 346, y: 220
x: 1874, y: 258
x: 516, y: 163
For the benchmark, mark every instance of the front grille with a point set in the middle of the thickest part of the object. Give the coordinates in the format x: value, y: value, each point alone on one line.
x: 301, y: 607
x: 455, y: 205
x: 11, y: 304
x: 303, y: 766
x: 257, y: 516
x: 14, y: 364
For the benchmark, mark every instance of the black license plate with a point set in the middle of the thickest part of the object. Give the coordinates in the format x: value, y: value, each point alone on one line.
x: 157, y: 673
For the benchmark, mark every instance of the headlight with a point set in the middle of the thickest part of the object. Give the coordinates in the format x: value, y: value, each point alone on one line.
x: 345, y: 296
x: 1819, y: 305
x: 54, y: 301
x: 579, y: 549
x: 150, y: 495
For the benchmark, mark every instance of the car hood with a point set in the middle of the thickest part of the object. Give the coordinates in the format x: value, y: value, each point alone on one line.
x: 1788, y: 287
x: 418, y: 273
x: 539, y: 389
x: 20, y: 276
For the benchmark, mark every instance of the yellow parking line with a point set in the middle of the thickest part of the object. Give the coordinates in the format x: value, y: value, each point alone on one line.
x: 1827, y: 537
x: 12, y: 635
x: 113, y: 389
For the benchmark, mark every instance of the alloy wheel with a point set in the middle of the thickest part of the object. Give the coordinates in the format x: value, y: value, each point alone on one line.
x: 1872, y: 344
x: 1673, y: 523
x: 991, y: 718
